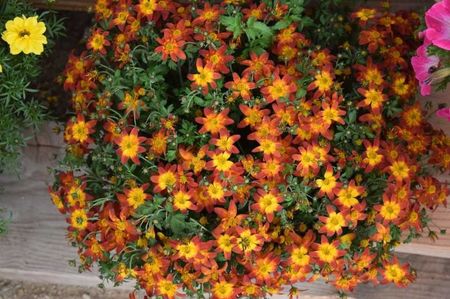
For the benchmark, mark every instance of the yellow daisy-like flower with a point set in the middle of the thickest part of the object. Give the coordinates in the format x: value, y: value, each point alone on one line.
x: 25, y: 35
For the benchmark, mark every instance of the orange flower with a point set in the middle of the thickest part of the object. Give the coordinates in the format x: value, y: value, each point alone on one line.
x: 267, y: 203
x: 226, y: 142
x: 165, y: 179
x: 182, y: 201
x: 98, y: 42
x: 130, y: 146
x: 383, y: 234
x: 208, y: 14
x: 271, y: 167
x: 328, y: 185
x: 158, y: 143
x: 134, y: 197
x: 79, y: 219
x: 253, y: 115
x: 132, y: 103
x: 327, y: 252
x: 188, y: 250
x: 225, y: 244
x: 248, y: 241
x: 240, y: 87
x: 206, y: 77
x: 170, y: 47
x: 121, y: 17
x: 279, y: 88
x: 323, y: 82
x: 372, y: 38
x: 299, y: 256
x: 166, y: 288
x: 400, y: 170
x: 258, y: 66
x: 80, y: 130
x: 347, y: 196
x: 219, y: 161
x: 214, y: 122
x: 217, y: 58
x: 390, y: 210
x: 229, y: 218
x: 265, y: 268
x: 330, y: 111
x: 412, y: 116
x: 373, y: 98
x: 364, y: 15
x: 197, y: 162
x: 224, y: 290
x: 146, y: 8
x: 372, y: 156
x: 268, y: 146
x: 369, y: 74
x: 307, y: 161
x: 217, y: 191
x: 333, y: 224
x: 396, y: 273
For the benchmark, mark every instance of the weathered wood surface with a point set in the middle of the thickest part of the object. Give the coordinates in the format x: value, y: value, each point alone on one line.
x: 70, y: 5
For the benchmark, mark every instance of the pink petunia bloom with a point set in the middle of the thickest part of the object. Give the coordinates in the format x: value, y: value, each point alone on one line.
x: 437, y: 19
x: 444, y: 113
x: 423, y: 67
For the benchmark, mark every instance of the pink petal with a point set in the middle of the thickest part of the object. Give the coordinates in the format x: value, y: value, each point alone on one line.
x: 444, y: 113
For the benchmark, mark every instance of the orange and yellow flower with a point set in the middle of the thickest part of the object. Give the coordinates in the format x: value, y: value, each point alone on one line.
x: 130, y: 146
x: 98, y: 41
x: 267, y: 203
x: 80, y: 130
x: 206, y: 77
x: 170, y: 47
x: 165, y: 179
x: 214, y: 122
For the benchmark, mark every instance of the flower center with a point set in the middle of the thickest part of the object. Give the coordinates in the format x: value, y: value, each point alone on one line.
x: 24, y: 33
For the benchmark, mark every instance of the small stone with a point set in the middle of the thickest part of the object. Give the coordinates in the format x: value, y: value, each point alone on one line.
x: 20, y: 291
x: 86, y: 296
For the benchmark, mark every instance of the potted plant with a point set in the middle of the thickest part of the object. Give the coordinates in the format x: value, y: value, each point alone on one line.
x: 238, y: 147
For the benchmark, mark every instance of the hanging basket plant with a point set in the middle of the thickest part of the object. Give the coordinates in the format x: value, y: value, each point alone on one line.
x: 239, y: 147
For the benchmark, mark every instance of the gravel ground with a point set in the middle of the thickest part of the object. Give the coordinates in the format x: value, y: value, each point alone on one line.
x: 27, y: 290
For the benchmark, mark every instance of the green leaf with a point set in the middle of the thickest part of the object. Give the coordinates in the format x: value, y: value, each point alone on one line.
x: 233, y: 24
x: 263, y: 29
x: 284, y: 23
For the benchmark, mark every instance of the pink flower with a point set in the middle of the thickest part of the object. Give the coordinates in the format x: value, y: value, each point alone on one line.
x: 423, y: 66
x: 438, y: 23
x: 444, y: 113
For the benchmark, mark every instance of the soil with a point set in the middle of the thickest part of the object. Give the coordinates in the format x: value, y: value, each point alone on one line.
x: 28, y: 290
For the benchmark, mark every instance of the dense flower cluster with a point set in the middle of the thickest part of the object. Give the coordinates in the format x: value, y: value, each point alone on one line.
x: 216, y: 148
x: 432, y: 61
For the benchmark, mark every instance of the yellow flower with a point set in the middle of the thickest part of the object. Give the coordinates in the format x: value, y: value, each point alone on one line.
x: 79, y: 219
x: 25, y: 35
x: 327, y: 252
x: 1, y: 69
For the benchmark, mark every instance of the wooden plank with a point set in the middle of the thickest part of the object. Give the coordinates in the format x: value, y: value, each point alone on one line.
x: 433, y: 277
x: 70, y: 5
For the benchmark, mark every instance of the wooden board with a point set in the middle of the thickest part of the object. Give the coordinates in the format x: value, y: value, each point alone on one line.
x: 70, y: 5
